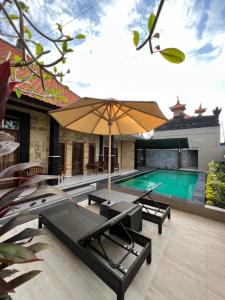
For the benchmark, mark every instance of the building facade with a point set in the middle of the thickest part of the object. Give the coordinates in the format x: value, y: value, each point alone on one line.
x: 202, y: 133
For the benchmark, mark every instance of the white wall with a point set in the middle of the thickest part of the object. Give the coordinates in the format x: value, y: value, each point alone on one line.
x: 206, y: 140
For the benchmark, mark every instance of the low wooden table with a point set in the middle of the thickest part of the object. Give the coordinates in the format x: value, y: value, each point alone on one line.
x: 153, y: 211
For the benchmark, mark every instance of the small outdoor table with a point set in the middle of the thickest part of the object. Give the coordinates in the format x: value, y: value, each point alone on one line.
x: 153, y: 211
x: 133, y: 220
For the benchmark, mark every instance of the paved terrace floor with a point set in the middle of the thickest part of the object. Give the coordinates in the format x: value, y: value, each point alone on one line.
x: 188, y: 264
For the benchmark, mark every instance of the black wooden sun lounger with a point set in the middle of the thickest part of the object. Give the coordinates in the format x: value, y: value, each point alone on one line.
x: 153, y: 211
x: 86, y: 234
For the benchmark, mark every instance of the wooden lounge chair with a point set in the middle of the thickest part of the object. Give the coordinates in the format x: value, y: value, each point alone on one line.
x: 85, y: 233
x: 152, y: 210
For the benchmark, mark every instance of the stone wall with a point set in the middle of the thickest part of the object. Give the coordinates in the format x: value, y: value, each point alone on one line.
x: 127, y: 153
x: 39, y: 136
x: 189, y: 158
x: 160, y: 158
x: 168, y: 158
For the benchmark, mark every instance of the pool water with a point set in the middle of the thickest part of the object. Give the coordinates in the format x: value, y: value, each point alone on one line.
x: 180, y: 184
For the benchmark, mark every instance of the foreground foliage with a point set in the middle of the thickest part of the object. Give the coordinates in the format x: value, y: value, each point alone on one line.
x: 215, y: 184
x: 17, y: 249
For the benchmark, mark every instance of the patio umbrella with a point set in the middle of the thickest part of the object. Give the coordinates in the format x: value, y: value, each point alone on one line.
x: 109, y: 117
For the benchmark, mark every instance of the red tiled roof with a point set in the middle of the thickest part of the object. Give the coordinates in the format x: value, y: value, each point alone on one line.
x: 177, y: 106
x: 33, y: 87
x: 200, y: 110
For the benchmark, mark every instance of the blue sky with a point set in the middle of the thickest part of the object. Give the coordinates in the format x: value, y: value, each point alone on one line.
x: 107, y: 64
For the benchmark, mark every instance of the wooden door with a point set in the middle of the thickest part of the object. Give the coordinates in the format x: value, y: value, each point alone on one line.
x: 77, y: 158
x: 91, y: 154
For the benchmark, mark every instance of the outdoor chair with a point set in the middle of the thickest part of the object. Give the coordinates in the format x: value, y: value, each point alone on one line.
x: 152, y: 211
x: 87, y: 234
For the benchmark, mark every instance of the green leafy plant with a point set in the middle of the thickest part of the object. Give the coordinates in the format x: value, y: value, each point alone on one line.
x: 215, y: 184
x: 172, y: 55
x: 18, y: 248
x: 32, y: 51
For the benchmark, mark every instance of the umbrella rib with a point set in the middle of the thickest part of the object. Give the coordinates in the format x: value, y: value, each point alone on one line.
x: 98, y: 121
x: 143, y: 112
x: 123, y: 114
x: 69, y: 108
x: 134, y: 120
x: 117, y: 122
x: 91, y: 111
x: 115, y: 114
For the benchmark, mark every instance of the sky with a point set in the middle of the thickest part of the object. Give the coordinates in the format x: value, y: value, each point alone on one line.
x: 107, y: 65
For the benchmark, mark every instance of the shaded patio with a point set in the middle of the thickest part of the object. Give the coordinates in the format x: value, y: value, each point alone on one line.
x: 188, y: 263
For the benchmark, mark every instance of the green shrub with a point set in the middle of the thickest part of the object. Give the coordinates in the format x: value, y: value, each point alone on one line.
x: 215, y: 184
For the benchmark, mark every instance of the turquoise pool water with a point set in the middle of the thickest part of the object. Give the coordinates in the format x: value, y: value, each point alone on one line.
x: 180, y: 184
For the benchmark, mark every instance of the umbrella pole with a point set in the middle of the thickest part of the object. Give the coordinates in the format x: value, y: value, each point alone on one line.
x: 109, y: 164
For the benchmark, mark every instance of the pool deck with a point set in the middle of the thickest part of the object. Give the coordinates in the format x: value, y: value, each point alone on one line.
x: 188, y: 264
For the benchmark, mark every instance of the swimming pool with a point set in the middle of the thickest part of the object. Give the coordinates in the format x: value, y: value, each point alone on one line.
x: 180, y: 184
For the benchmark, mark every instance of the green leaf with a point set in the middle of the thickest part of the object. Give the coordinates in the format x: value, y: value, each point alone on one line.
x: 136, y: 38
x: 54, y: 69
x: 173, y: 55
x: 151, y: 21
x: 47, y: 76
x: 37, y: 247
x: 13, y: 17
x: 80, y: 36
x: 17, y: 58
x: 69, y: 50
x: 156, y: 35
x: 23, y: 6
x: 64, y: 46
x: 21, y: 218
x: 12, y: 253
x: 63, y: 60
x: 23, y: 278
x: 28, y: 32
x: 59, y: 26
x: 68, y: 71
x: 18, y: 93
x: 39, y: 48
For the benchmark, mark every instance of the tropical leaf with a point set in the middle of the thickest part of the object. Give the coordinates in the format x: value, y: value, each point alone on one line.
x: 18, y: 93
x: 37, y: 247
x: 23, y: 278
x: 173, y: 55
x: 38, y: 178
x: 10, y: 196
x: 25, y: 234
x: 156, y: 35
x: 7, y: 272
x: 80, y: 36
x: 21, y: 218
x: 17, y: 168
x: 136, y: 38
x: 39, y: 48
x: 7, y: 147
x: 59, y: 26
x: 12, y: 253
x: 64, y: 46
x: 13, y: 17
x: 5, y: 288
x: 151, y: 21
x: 46, y: 191
x: 17, y: 58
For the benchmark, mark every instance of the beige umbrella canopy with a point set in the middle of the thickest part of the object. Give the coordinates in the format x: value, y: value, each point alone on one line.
x: 109, y: 117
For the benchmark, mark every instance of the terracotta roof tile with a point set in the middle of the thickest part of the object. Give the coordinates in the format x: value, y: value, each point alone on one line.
x: 33, y: 87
